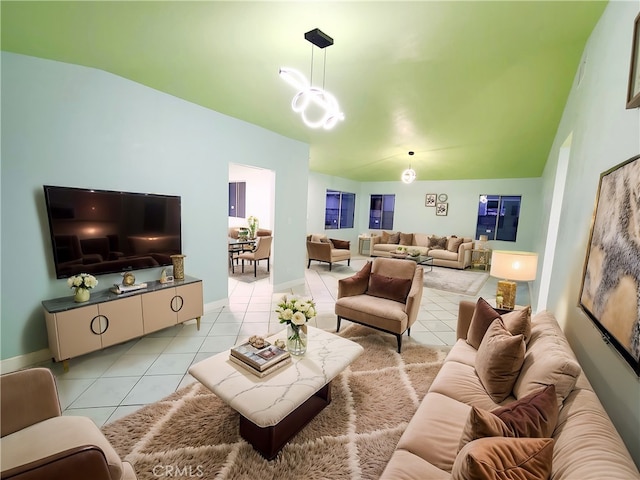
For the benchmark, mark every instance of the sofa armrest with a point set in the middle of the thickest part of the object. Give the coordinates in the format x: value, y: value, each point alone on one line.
x: 79, y: 463
x: 354, y: 285
x: 464, y: 254
x: 465, y: 314
x: 27, y: 397
x: 375, y: 240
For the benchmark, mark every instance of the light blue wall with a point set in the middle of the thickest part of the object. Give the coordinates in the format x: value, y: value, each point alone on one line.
x: 412, y: 216
x: 74, y: 126
x: 604, y: 135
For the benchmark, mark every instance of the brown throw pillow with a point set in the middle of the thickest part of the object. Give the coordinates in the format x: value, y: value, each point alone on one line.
x: 483, y: 315
x: 453, y: 244
x: 499, y: 359
x: 518, y: 322
x: 394, y: 238
x: 395, y: 289
x: 533, y: 416
x: 341, y: 244
x: 406, y: 238
x: 385, y: 237
x: 504, y: 459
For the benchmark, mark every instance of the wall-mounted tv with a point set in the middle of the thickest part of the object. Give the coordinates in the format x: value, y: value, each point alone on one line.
x: 101, y: 231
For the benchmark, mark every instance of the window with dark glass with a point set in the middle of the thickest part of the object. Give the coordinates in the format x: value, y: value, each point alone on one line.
x: 340, y: 210
x: 498, y: 217
x: 237, y: 199
x: 381, y: 210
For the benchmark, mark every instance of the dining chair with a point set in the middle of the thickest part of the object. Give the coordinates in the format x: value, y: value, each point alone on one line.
x: 262, y: 251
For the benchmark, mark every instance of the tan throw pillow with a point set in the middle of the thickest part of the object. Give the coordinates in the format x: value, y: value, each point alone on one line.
x: 483, y: 315
x: 406, y: 238
x: 499, y: 359
x: 385, y: 237
x: 395, y: 289
x: 518, y: 322
x: 453, y: 243
x: 533, y: 416
x: 394, y: 238
x: 504, y: 459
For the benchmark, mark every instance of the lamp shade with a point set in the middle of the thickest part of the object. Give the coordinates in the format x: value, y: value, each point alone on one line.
x: 516, y: 266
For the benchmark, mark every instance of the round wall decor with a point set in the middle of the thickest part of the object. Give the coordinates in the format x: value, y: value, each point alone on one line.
x: 443, y: 197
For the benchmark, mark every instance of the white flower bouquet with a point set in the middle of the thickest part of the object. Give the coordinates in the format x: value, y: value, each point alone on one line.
x: 83, y: 280
x: 295, y: 313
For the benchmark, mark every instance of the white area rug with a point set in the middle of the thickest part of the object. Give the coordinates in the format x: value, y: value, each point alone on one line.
x: 466, y: 282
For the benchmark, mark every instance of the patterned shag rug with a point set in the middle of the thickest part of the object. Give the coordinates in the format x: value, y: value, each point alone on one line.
x: 192, y: 434
x: 452, y: 280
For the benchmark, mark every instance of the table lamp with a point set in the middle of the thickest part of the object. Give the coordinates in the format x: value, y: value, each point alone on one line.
x: 512, y: 267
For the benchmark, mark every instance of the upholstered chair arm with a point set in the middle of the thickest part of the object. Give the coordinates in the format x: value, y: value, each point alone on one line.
x: 465, y: 314
x: 79, y: 463
x: 412, y: 305
x: 319, y: 251
x: 375, y: 240
x: 355, y: 285
x: 27, y: 397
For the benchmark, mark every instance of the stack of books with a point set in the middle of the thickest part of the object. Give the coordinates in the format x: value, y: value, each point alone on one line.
x: 260, y: 361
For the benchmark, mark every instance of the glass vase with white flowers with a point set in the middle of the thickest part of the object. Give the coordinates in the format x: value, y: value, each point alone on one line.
x: 296, y: 312
x: 81, y: 284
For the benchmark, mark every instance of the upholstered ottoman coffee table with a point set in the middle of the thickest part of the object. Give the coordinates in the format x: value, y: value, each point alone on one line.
x: 276, y: 407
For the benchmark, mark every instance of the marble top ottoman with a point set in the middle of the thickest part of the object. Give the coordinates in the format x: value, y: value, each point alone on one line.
x: 274, y: 408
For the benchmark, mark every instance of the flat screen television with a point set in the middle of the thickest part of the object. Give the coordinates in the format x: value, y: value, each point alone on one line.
x: 102, y: 231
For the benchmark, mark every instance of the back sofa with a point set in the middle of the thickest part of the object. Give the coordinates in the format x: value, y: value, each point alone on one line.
x: 567, y: 428
x: 450, y: 251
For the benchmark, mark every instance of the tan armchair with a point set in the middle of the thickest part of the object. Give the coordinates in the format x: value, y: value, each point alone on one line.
x: 261, y: 252
x: 384, y: 295
x: 38, y: 443
x: 329, y: 250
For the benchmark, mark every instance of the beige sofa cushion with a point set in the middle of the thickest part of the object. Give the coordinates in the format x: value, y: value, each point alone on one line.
x: 504, y: 459
x: 421, y: 240
x: 548, y: 361
x: 483, y: 315
x: 499, y: 360
x: 405, y: 465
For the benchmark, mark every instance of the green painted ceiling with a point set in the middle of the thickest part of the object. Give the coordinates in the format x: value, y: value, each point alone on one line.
x: 475, y: 88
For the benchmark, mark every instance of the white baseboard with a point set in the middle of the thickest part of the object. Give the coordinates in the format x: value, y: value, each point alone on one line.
x: 213, y: 306
x: 21, y: 361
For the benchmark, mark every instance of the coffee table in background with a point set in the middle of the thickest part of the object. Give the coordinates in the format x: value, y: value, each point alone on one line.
x: 274, y: 408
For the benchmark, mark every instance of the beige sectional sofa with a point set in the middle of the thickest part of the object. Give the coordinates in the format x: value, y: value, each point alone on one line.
x: 450, y: 251
x: 577, y: 440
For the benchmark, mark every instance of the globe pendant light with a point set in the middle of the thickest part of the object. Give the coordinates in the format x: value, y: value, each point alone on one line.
x: 409, y: 175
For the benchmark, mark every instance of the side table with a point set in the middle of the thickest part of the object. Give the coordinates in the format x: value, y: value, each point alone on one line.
x: 362, y: 240
x: 481, y: 257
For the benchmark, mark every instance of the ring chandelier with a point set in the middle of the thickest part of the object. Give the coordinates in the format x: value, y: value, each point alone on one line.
x: 317, y: 107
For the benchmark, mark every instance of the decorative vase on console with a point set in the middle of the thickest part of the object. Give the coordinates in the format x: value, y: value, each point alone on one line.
x: 296, y: 313
x: 81, y: 284
x: 253, y: 225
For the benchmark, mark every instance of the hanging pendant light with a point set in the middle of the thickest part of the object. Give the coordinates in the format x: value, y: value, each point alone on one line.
x: 312, y: 101
x: 409, y: 175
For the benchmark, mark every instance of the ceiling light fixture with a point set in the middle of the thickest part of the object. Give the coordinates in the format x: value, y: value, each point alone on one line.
x: 313, y: 101
x: 409, y: 175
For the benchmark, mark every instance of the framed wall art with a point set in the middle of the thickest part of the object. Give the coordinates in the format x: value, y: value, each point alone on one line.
x: 430, y: 200
x: 610, y: 291
x: 633, y: 90
x: 442, y: 209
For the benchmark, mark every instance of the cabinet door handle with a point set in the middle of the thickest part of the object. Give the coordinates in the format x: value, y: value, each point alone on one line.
x: 101, y: 330
x: 176, y: 303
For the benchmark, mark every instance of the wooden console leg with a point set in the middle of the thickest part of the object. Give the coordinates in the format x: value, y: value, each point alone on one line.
x: 65, y: 365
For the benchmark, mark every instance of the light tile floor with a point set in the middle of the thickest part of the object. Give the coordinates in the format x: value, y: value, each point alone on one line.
x: 118, y: 380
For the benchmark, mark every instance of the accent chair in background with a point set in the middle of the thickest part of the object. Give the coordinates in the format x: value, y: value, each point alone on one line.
x: 384, y: 295
x: 328, y: 250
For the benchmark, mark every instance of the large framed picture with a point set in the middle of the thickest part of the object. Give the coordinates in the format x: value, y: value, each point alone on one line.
x: 633, y: 91
x: 610, y: 291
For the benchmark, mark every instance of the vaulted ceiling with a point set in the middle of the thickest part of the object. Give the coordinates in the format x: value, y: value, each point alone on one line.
x: 476, y: 89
